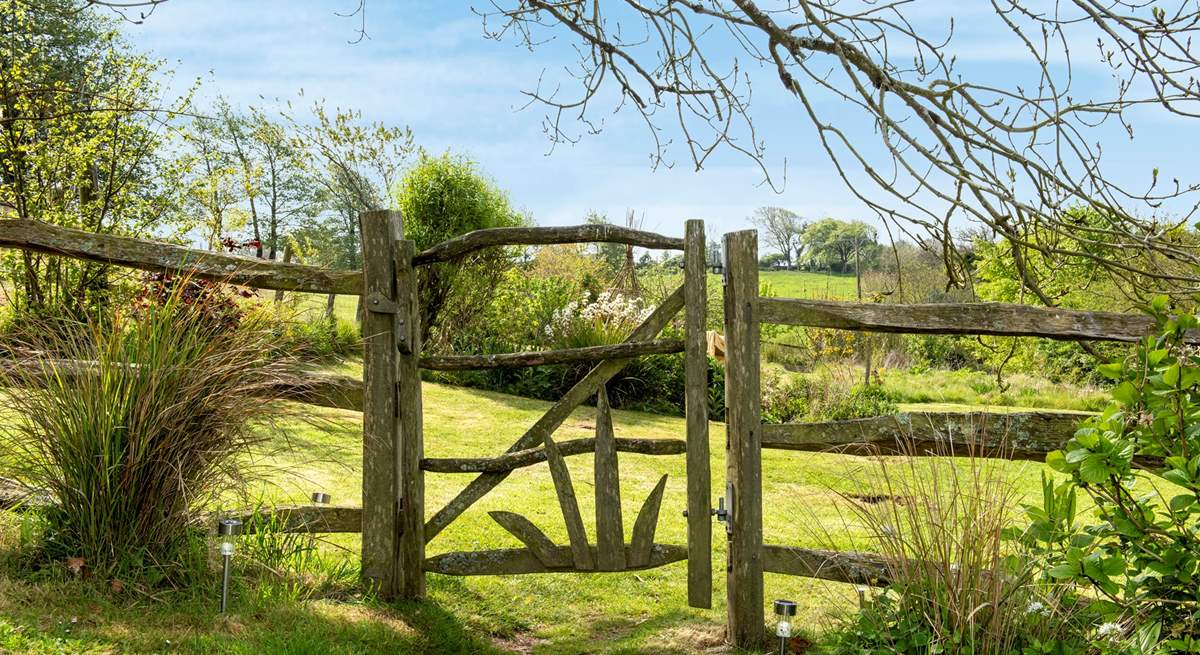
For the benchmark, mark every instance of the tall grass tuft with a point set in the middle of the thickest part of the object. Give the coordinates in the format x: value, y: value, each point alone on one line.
x: 957, y: 585
x: 138, y: 421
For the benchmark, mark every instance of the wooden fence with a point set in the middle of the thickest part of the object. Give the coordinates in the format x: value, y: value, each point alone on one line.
x: 392, y: 518
x: 1026, y: 435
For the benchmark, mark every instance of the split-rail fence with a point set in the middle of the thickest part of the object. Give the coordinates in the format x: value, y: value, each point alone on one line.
x: 393, y: 520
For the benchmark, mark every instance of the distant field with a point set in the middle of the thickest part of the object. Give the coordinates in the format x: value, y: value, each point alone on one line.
x: 806, y: 284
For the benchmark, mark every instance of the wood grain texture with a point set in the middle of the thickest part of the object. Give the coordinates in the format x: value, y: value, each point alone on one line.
x: 646, y: 525
x: 1018, y: 435
x: 298, y: 518
x: 610, y: 532
x: 380, y: 231
x: 961, y: 318
x: 161, y: 257
x: 517, y: 561
x: 699, y: 473
x: 539, y: 236
x: 569, y: 505
x: 837, y: 566
x: 410, y: 449
x: 544, y: 357
x: 549, y: 422
x: 533, y: 456
x: 743, y: 471
x: 546, y: 552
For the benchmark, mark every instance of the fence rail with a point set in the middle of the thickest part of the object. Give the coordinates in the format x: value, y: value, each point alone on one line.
x: 160, y: 257
x: 998, y: 319
x: 1017, y: 435
x: 543, y: 357
x: 470, y: 242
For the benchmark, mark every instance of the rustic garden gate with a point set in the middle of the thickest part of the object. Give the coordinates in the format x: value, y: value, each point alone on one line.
x: 1021, y: 435
x: 394, y: 528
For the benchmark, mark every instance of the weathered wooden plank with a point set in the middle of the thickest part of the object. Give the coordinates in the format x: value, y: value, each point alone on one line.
x: 410, y: 449
x: 610, y: 533
x: 538, y: 236
x: 297, y: 518
x: 544, y: 357
x: 311, y: 387
x: 961, y: 318
x: 645, y: 526
x: 546, y: 552
x: 532, y: 456
x: 380, y: 231
x: 160, y: 257
x: 17, y: 498
x: 584, y: 389
x: 1019, y: 435
x: 517, y: 561
x: 744, y: 578
x: 699, y: 475
x: 837, y: 566
x: 321, y: 389
x: 565, y: 490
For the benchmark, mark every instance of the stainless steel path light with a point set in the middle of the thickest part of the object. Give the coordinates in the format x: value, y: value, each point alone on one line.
x: 318, y: 498
x: 227, y: 529
x: 785, y: 610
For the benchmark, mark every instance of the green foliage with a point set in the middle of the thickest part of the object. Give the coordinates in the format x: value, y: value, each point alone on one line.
x: 955, y: 585
x: 1138, y: 463
x: 862, y: 401
x: 836, y: 245
x: 148, y: 433
x: 441, y: 198
x: 83, y: 120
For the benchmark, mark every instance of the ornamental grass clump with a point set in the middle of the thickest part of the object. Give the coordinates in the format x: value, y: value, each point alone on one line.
x: 136, y: 423
x: 957, y: 583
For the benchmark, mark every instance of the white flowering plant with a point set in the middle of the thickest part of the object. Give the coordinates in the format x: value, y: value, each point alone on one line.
x: 607, y: 318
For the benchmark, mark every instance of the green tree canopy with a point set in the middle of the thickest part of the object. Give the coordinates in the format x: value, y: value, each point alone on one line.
x: 442, y: 197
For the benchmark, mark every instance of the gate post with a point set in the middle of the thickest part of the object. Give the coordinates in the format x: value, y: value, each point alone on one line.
x: 699, y: 473
x: 392, y: 495
x: 743, y: 454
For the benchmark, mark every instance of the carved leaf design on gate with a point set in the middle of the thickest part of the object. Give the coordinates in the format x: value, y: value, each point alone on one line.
x: 610, y: 552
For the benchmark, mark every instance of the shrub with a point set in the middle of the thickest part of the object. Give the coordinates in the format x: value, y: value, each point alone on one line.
x: 1138, y: 463
x: 143, y: 427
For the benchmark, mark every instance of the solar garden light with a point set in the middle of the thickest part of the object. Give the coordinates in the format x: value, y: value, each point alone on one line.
x: 318, y: 498
x: 785, y: 610
x: 227, y: 529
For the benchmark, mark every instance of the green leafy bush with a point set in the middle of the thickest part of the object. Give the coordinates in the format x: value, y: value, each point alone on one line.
x: 1139, y: 463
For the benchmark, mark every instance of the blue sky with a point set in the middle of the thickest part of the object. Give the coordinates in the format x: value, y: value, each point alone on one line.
x: 427, y: 65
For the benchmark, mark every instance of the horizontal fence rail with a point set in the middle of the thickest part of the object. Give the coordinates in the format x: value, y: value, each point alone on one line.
x: 298, y: 518
x: 529, y: 457
x: 311, y: 387
x: 470, y: 242
x: 1017, y: 435
x: 159, y: 257
x: 516, y: 561
x: 833, y: 565
x: 1000, y: 319
x: 543, y: 357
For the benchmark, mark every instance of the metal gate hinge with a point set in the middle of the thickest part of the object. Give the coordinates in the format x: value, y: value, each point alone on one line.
x: 380, y: 304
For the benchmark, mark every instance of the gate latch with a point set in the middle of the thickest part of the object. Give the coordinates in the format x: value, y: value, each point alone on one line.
x: 725, y: 514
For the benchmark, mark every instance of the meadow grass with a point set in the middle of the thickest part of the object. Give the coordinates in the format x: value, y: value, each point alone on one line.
x: 810, y: 285
x: 634, y: 612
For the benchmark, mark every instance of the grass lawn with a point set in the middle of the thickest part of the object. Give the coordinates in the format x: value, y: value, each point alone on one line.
x: 635, y: 612
x: 810, y: 285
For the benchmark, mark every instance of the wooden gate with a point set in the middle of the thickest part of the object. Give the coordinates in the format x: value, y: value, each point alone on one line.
x: 1021, y: 435
x: 394, y: 527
